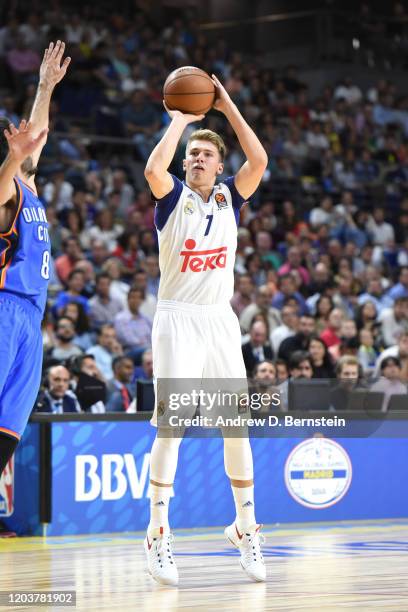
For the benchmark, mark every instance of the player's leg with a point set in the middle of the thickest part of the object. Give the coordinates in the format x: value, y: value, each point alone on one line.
x: 176, y: 355
x: 226, y: 362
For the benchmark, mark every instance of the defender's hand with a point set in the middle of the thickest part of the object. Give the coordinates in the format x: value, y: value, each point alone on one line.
x: 51, y: 69
x: 21, y: 142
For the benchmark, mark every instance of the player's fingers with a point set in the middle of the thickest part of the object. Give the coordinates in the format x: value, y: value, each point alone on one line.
x: 45, y: 54
x: 50, y: 48
x: 12, y: 129
x: 61, y: 51
x: 66, y: 63
x: 22, y: 126
x: 56, y: 49
x: 7, y: 135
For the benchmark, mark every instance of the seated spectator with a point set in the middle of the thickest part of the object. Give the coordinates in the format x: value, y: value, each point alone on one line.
x: 322, y: 363
x: 102, y: 307
x: 263, y: 388
x: 367, y: 354
x: 76, y: 312
x: 128, y: 253
x: 331, y: 335
x: 401, y: 288
x: 349, y: 378
x: 347, y: 333
x: 151, y: 265
x: 258, y: 348
x: 149, y: 304
x: 262, y: 305
x: 120, y: 389
x: 64, y: 347
x: 324, y: 306
x: 366, y: 315
x: 399, y: 350
x: 133, y: 329
x: 282, y: 370
x: 381, y: 233
x: 244, y: 295
x: 64, y: 264
x: 118, y: 288
x: 390, y: 381
x: 300, y: 366
x: 376, y: 294
x: 141, y: 121
x: 294, y: 262
x: 394, y: 321
x: 90, y: 386
x: 76, y: 284
x: 104, y: 351
x: 288, y: 328
x: 323, y: 214
x: 57, y: 397
x: 300, y: 340
x: 145, y: 371
x: 287, y: 289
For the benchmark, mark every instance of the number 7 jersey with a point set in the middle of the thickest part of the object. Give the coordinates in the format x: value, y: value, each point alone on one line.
x: 25, y: 250
x: 197, y: 243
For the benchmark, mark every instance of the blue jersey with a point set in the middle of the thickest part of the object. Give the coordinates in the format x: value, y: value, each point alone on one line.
x: 25, y: 250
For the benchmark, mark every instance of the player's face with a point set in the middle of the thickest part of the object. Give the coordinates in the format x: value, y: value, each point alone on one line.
x: 202, y: 164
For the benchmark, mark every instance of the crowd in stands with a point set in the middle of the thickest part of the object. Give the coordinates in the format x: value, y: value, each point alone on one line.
x: 322, y: 259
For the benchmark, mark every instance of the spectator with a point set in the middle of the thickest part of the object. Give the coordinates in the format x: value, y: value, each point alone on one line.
x: 120, y: 390
x: 399, y: 350
x: 300, y: 366
x: 320, y: 357
x: 401, y: 288
x: 394, y: 321
x: 287, y: 289
x: 257, y: 349
x: 349, y: 374
x: 288, y: 328
x: 149, y: 304
x: 367, y: 354
x: 64, y: 347
x: 133, y: 329
x: 57, y: 397
x: 375, y: 293
x: 390, y: 381
x: 300, y: 340
x: 294, y: 263
x: 151, y: 265
x: 381, y: 233
x: 104, y: 351
x: 331, y: 335
x: 145, y: 371
x: 76, y: 284
x: 244, y: 295
x: 102, y: 307
x: 262, y: 304
x: 76, y: 312
x: 282, y: 370
x: 118, y: 290
x: 90, y: 386
x: 64, y: 264
x: 324, y: 306
x: 141, y: 121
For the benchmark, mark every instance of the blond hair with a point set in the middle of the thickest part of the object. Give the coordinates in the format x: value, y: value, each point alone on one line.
x: 211, y: 137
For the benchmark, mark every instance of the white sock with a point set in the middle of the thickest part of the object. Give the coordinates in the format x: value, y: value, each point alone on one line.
x: 159, y: 508
x: 244, y: 505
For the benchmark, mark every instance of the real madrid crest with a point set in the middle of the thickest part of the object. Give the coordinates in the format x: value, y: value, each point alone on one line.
x: 161, y: 408
x: 189, y: 207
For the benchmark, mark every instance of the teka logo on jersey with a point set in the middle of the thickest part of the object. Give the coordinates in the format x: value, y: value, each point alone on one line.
x: 7, y: 489
x: 201, y: 261
x: 109, y: 477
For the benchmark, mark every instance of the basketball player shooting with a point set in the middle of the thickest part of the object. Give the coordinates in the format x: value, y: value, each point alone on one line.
x: 195, y: 332
x: 25, y: 258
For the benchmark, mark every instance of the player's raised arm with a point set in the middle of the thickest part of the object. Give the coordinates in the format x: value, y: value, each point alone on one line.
x: 22, y: 143
x: 52, y: 70
x: 250, y: 174
x: 159, y: 179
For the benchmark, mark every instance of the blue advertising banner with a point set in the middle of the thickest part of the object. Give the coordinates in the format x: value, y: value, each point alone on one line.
x: 100, y: 479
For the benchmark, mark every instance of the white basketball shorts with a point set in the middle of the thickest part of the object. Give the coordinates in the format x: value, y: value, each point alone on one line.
x: 196, y: 341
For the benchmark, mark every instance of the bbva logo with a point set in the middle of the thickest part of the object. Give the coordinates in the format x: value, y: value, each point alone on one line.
x: 109, y: 477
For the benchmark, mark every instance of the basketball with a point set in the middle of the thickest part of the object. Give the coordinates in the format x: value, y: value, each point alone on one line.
x: 189, y: 90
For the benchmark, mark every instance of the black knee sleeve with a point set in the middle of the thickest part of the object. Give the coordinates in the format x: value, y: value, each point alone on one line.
x: 7, y: 448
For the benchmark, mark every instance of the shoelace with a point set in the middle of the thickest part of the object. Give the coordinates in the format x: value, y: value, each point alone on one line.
x: 163, y: 550
x: 253, y: 548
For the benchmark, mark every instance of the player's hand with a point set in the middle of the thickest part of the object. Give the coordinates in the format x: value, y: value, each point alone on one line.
x: 21, y: 141
x: 186, y: 116
x: 51, y: 69
x: 222, y: 100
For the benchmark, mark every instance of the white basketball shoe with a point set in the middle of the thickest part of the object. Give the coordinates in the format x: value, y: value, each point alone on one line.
x: 249, y: 544
x: 160, y: 562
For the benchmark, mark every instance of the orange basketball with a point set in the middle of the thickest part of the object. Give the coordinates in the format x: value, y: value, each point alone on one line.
x: 189, y: 90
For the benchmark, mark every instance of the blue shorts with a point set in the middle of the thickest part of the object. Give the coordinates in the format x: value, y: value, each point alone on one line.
x: 21, y: 356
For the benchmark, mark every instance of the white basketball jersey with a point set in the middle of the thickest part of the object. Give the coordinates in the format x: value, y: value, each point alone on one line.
x: 197, y: 243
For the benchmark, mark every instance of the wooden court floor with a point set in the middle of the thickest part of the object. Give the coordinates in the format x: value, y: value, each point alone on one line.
x: 346, y: 566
